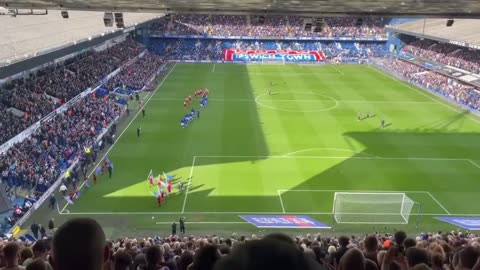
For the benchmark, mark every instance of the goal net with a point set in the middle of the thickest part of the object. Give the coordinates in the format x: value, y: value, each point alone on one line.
x: 276, y: 61
x: 372, y: 208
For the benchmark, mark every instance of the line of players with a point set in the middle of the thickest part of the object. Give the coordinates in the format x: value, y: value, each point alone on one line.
x: 203, y: 94
x: 367, y: 116
x: 167, y: 183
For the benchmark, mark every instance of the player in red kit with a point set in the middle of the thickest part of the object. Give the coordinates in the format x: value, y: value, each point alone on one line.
x: 159, y: 201
x: 169, y: 187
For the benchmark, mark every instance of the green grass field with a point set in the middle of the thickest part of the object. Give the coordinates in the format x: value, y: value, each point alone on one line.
x: 288, y: 152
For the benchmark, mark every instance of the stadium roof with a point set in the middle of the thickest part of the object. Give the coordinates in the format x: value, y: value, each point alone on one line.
x: 464, y: 8
x: 22, y: 37
x: 463, y: 30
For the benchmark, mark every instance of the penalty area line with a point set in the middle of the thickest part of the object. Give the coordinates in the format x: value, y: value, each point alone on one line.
x: 441, y: 205
x: 188, y: 184
x: 123, y: 132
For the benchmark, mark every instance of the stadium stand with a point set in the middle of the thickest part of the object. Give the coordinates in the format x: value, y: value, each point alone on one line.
x: 81, y: 244
x: 40, y: 93
x: 264, y: 26
x: 449, y: 54
x: 199, y: 49
x: 448, y: 87
x: 136, y: 75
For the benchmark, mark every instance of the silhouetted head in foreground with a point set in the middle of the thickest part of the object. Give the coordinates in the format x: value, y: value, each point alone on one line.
x: 269, y: 253
x: 79, y: 244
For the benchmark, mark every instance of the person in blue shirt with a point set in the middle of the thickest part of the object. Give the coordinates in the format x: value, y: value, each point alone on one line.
x: 382, y: 123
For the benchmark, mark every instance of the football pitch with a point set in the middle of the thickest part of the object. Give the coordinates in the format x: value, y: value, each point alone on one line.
x: 287, y: 152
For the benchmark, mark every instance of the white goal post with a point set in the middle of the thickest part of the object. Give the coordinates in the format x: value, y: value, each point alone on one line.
x: 275, y: 61
x: 372, y: 208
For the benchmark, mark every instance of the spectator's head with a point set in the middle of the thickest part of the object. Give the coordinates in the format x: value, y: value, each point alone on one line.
x: 467, y: 258
x: 185, y: 260
x: 37, y: 264
x: 400, y: 237
x: 206, y: 258
x: 40, y: 249
x: 26, y: 253
x: 353, y: 259
x: 263, y: 254
x: 409, y: 242
x: 343, y: 241
x: 11, y: 254
x: 122, y: 261
x: 79, y: 244
x: 153, y: 255
x: 371, y: 243
x: 417, y: 256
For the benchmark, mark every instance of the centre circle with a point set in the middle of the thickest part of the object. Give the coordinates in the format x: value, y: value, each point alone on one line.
x: 277, y: 97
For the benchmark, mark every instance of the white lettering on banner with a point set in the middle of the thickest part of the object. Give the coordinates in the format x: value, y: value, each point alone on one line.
x: 470, y: 222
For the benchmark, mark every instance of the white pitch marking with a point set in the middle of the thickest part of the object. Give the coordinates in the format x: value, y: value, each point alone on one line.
x: 281, y: 201
x: 188, y: 185
x: 443, y: 207
x: 334, y: 149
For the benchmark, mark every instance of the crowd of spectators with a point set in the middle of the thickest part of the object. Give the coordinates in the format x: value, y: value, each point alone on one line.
x: 36, y: 163
x: 46, y: 89
x: 448, y: 54
x: 205, y: 49
x: 81, y: 244
x: 461, y: 93
x: 267, y: 26
x: 136, y: 75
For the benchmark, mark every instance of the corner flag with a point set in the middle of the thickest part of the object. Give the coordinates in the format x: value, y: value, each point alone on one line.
x: 150, y: 177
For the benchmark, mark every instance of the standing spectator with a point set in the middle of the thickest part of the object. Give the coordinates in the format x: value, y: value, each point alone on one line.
x: 11, y: 253
x: 43, y: 232
x: 63, y: 189
x: 371, y: 247
x: 51, y: 225
x: 343, y: 241
x: 182, y: 225
x: 174, y: 228
x: 79, y: 244
x: 52, y: 201
x: 34, y: 228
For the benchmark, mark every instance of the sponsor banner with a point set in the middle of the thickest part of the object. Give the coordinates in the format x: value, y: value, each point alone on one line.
x: 284, y: 221
x: 259, y: 55
x: 469, y: 223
